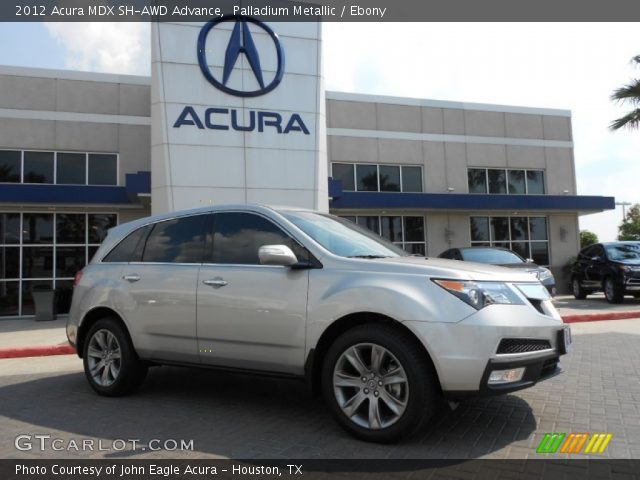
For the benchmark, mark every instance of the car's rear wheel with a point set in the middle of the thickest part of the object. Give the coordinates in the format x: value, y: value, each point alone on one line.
x: 378, y: 384
x: 612, y: 291
x: 578, y: 292
x: 110, y: 363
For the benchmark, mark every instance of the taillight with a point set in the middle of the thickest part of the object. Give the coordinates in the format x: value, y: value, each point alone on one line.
x: 77, y: 278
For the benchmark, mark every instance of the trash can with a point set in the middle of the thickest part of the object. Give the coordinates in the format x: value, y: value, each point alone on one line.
x: 44, y: 301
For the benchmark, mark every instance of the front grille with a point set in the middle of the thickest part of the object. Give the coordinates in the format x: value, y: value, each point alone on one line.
x: 522, y: 345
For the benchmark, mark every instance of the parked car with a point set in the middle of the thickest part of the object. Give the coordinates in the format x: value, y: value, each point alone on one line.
x: 380, y: 334
x: 504, y: 258
x: 610, y: 267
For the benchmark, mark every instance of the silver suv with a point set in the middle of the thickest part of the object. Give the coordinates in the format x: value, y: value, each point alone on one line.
x: 381, y: 334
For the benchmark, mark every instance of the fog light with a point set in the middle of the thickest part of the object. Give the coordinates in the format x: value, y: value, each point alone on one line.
x: 498, y: 377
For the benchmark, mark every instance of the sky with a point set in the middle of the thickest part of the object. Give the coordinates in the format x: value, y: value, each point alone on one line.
x: 551, y: 65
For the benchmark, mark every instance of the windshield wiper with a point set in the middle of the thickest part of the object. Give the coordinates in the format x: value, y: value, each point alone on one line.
x: 368, y: 256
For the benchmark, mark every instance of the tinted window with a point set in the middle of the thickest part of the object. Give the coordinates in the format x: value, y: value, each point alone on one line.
x: 538, y: 228
x: 411, y: 179
x: 479, y: 229
x: 392, y: 228
x: 370, y: 223
x: 477, y: 179
x: 414, y: 229
x: 497, y: 181
x: 238, y: 237
x: 9, y: 166
x: 367, y: 176
x: 71, y: 168
x: 180, y: 240
x: 70, y: 228
x: 38, y: 167
x: 103, y: 169
x: 535, y: 182
x: 499, y: 229
x: 37, y: 228
x: 99, y: 225
x: 516, y: 182
x: 125, y: 249
x: 519, y: 228
x: 9, y: 228
x: 344, y: 173
x: 389, y: 178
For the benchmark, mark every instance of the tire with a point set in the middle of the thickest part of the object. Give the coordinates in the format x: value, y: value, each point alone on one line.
x: 612, y: 291
x: 578, y: 292
x: 413, y: 394
x: 107, y: 341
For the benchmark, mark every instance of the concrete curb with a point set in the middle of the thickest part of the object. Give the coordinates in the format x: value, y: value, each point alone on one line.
x: 597, y: 317
x: 66, y: 349
x: 39, y: 351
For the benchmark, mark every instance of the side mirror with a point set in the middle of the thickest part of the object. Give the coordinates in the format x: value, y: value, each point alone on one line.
x: 277, y: 255
x: 596, y: 259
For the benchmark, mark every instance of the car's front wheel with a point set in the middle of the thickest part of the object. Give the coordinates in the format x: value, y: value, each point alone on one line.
x: 612, y: 291
x: 578, y: 292
x: 110, y: 363
x: 378, y: 383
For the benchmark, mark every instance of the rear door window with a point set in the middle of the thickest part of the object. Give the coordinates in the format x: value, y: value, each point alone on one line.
x: 181, y: 240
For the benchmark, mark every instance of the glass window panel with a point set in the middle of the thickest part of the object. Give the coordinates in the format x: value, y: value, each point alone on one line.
x: 38, y: 167
x: 519, y: 228
x: 92, y: 252
x: 479, y: 229
x: 521, y: 248
x: 103, y: 169
x: 538, y: 228
x: 480, y: 244
x: 70, y: 228
x: 99, y: 225
x: 414, y: 229
x: 344, y: 173
x: 367, y: 176
x: 37, y: 262
x: 180, y: 240
x: 9, y: 166
x: 540, y: 252
x: 497, y: 181
x: 9, y: 262
x: 351, y: 218
x: 238, y: 237
x: 411, y: 179
x: 9, y: 298
x: 71, y: 168
x: 499, y: 229
x: 516, y: 182
x: 415, y: 248
x: 501, y: 245
x: 124, y: 251
x: 392, y: 228
x: 69, y: 260
x: 535, y: 182
x: 9, y: 228
x: 389, y: 178
x: 37, y: 228
x: 370, y: 223
x: 477, y: 179
x: 64, y: 291
x: 28, y: 307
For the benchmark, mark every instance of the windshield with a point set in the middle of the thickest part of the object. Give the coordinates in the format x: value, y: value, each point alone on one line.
x: 342, y: 237
x: 491, y: 256
x: 624, y: 252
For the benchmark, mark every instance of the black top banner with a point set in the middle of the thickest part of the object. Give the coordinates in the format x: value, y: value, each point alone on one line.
x: 323, y: 10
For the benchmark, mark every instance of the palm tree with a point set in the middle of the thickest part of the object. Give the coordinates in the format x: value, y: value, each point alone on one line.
x: 629, y: 94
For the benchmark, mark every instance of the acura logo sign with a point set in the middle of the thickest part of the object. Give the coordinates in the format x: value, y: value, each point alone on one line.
x: 240, y: 43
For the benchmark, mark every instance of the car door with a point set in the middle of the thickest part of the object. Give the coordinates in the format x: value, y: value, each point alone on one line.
x: 251, y: 316
x: 160, y: 289
x: 594, y: 272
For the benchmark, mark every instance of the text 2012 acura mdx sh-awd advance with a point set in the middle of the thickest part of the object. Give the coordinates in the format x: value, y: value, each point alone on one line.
x: 381, y: 334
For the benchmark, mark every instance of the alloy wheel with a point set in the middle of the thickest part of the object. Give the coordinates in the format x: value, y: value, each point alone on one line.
x: 104, y: 358
x: 370, y: 386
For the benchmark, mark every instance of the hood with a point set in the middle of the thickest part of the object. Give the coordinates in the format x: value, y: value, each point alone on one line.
x: 441, y: 267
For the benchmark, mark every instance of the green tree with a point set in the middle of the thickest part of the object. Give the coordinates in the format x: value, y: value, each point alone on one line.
x: 587, y: 238
x: 629, y: 95
x: 630, y: 227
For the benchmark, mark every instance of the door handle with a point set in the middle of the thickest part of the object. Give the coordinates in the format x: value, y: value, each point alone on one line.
x: 133, y: 277
x: 215, y: 282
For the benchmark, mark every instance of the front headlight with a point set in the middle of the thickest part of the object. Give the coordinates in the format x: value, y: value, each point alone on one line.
x: 545, y: 274
x: 480, y: 294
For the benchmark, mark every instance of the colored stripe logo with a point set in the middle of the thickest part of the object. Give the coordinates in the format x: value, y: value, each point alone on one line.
x: 574, y: 443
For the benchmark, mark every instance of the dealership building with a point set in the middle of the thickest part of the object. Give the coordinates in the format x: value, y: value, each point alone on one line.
x: 236, y: 111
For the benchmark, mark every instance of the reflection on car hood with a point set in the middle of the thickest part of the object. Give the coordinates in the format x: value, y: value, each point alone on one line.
x: 454, y: 269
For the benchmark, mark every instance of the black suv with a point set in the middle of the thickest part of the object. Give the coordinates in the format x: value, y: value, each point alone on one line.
x: 612, y: 267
